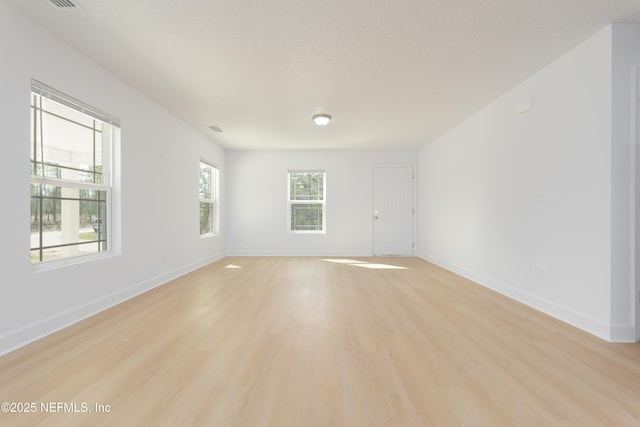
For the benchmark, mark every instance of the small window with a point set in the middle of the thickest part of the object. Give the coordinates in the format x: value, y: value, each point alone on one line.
x: 71, y: 179
x: 306, y: 195
x: 208, y: 200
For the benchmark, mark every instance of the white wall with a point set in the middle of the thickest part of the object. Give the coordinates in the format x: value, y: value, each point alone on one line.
x: 502, y: 196
x: 624, y: 297
x: 158, y: 200
x: 257, y: 206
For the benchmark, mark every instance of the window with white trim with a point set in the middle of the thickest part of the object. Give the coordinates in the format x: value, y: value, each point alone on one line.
x: 209, y: 221
x: 306, y: 201
x: 71, y: 176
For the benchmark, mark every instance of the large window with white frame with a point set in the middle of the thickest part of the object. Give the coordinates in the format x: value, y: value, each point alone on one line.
x: 306, y: 201
x: 71, y: 176
x: 209, y: 221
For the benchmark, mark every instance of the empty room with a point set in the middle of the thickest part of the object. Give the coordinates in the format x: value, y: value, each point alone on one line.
x: 297, y: 213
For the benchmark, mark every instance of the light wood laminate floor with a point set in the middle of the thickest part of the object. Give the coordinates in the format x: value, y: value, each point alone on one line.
x: 312, y: 342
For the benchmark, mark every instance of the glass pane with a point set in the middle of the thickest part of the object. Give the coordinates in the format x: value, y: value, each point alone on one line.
x: 90, y: 174
x: 78, y: 117
x: 207, y: 212
x: 52, y: 254
x: 306, y: 217
x: 35, y: 256
x: 90, y: 248
x: 306, y: 185
x: 35, y: 208
x: 63, y: 219
x: 46, y: 207
x: 69, y: 144
x: 205, y: 181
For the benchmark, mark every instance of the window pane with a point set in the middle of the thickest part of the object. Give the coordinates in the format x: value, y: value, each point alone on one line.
x: 207, y: 212
x: 45, y: 207
x: 35, y: 208
x: 53, y: 108
x: 68, y: 143
x: 306, y: 217
x: 63, y: 219
x: 306, y: 185
x: 205, y: 181
x: 52, y: 254
x: 208, y: 199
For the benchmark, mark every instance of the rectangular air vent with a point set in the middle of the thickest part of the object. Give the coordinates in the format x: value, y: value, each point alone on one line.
x: 215, y: 128
x: 65, y: 4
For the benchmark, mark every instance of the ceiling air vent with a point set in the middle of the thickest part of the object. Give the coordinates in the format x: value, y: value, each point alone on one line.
x: 215, y: 128
x: 65, y: 4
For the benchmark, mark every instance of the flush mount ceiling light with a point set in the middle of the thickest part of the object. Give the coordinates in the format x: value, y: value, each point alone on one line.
x: 321, y: 119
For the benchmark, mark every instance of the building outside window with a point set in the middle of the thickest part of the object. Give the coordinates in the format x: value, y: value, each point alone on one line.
x: 306, y: 201
x: 71, y: 176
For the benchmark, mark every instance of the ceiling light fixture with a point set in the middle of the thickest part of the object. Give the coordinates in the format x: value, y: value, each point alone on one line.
x: 65, y: 4
x: 321, y: 119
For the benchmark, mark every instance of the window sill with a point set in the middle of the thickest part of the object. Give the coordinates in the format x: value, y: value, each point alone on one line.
x: 61, y: 263
x: 206, y: 236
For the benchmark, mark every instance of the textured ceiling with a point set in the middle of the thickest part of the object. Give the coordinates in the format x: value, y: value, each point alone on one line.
x: 392, y: 74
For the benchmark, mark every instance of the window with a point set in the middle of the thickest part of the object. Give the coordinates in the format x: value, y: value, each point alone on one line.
x: 306, y: 201
x: 208, y: 199
x: 71, y: 182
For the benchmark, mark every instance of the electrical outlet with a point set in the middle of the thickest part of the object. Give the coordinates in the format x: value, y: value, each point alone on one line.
x: 539, y: 270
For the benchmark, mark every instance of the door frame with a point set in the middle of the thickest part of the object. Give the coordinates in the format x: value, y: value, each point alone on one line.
x: 413, y: 195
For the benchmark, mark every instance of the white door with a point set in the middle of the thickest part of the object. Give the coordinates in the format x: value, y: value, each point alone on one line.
x: 393, y: 210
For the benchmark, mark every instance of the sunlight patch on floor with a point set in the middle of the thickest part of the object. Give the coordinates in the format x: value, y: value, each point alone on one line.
x: 232, y: 266
x: 364, y: 264
x: 380, y: 266
x: 344, y: 261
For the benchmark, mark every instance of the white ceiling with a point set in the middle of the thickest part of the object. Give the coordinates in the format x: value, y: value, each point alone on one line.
x: 394, y: 74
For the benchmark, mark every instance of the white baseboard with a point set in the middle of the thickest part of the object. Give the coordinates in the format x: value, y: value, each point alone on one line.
x: 27, y: 334
x: 301, y: 253
x: 622, y: 334
x: 611, y: 333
